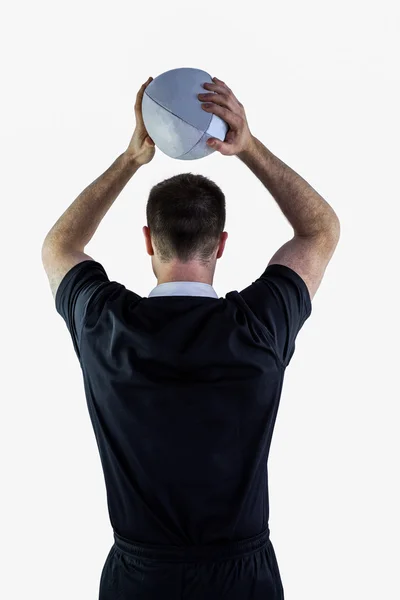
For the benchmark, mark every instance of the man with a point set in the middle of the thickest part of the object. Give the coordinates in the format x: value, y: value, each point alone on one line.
x: 183, y: 387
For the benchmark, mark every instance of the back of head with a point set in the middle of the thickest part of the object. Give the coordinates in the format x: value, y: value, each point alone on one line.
x: 186, y: 216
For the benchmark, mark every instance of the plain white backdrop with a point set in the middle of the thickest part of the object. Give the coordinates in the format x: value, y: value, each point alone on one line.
x: 320, y: 85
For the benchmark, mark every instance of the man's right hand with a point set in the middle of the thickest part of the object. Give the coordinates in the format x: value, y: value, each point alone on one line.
x: 224, y: 104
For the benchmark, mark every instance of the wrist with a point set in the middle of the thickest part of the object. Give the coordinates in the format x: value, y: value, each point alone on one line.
x: 130, y: 160
x: 249, y: 149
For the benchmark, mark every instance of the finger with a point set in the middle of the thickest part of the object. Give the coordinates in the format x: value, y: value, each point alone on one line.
x: 146, y: 83
x: 138, y: 103
x: 220, y: 82
x: 220, y: 89
x: 215, y: 87
x: 220, y: 99
x: 140, y: 93
x: 144, y: 86
x: 227, y: 115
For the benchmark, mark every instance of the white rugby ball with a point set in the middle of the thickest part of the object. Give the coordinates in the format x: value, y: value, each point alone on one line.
x: 173, y: 116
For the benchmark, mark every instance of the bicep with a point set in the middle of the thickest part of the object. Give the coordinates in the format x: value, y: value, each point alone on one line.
x: 308, y: 256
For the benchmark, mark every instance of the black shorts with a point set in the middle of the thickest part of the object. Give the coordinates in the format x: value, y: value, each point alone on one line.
x: 245, y: 570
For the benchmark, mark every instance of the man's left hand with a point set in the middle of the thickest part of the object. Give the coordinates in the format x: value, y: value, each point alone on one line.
x: 141, y: 147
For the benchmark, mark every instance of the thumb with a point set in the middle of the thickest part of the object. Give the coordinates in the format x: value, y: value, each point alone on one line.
x: 216, y: 144
x: 149, y: 141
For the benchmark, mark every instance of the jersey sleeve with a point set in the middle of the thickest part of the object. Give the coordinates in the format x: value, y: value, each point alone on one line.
x: 281, y: 301
x: 77, y: 294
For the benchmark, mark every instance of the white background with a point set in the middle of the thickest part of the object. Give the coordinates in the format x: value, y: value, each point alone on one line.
x: 320, y: 85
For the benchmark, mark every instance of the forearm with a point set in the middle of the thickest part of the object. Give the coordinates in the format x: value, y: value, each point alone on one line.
x: 75, y: 228
x: 307, y: 212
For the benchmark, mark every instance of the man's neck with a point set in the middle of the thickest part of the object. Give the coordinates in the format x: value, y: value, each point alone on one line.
x: 185, y: 273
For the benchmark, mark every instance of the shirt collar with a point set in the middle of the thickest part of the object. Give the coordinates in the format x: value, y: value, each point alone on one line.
x: 184, y: 288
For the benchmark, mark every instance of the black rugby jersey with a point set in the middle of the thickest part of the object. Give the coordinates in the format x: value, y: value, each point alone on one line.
x: 183, y: 392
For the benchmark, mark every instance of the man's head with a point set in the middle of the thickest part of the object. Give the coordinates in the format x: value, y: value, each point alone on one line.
x: 185, y: 228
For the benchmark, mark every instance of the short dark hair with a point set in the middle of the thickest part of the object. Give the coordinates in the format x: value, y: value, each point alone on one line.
x: 186, y: 216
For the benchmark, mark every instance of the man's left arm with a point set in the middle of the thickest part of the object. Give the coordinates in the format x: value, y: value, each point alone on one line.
x: 76, y: 280
x: 64, y: 245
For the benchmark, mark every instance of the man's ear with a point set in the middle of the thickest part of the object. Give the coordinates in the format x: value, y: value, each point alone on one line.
x: 147, y: 238
x: 224, y: 237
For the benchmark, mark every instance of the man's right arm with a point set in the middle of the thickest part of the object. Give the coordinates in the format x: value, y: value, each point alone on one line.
x: 315, y: 223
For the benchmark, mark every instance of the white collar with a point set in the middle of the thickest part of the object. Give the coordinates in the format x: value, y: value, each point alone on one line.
x: 184, y: 288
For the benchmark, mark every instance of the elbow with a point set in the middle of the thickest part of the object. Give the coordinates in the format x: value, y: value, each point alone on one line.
x: 331, y: 227
x: 46, y: 246
x: 335, y: 228
x: 49, y: 248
